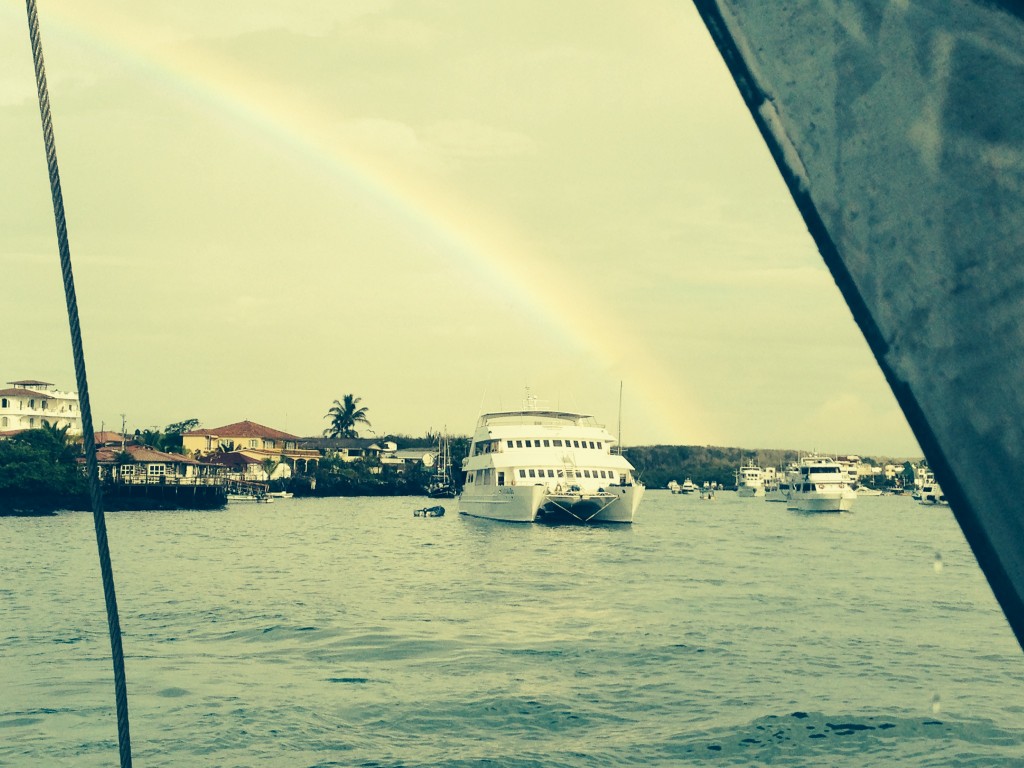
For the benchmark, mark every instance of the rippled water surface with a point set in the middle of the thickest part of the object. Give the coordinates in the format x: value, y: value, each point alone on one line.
x: 347, y: 632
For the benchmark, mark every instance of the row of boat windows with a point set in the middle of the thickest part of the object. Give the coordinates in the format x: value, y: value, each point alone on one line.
x: 492, y: 446
x: 592, y: 474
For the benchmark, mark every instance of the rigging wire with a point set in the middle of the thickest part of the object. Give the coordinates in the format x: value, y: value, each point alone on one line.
x: 96, y: 495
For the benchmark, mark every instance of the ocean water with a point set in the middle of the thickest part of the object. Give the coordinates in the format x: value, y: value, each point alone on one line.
x: 347, y: 632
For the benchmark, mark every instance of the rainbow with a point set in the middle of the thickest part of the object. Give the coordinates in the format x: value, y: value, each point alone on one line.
x: 481, y: 244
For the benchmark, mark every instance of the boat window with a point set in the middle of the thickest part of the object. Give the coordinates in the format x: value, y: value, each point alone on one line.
x: 586, y: 473
x: 501, y: 478
x: 557, y: 443
x: 547, y: 443
x: 592, y: 444
x: 561, y: 473
x: 599, y: 445
x: 522, y: 473
x: 529, y: 444
x: 509, y: 443
x: 532, y: 473
x: 519, y: 443
x: 603, y: 474
x: 575, y: 443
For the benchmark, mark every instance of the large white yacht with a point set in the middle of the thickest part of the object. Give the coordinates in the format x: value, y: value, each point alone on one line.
x: 750, y: 480
x: 818, y: 484
x: 547, y: 466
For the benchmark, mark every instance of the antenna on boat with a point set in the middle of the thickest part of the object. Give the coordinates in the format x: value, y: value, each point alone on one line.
x: 620, y: 418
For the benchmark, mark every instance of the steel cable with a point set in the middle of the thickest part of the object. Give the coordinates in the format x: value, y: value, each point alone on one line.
x: 95, y: 493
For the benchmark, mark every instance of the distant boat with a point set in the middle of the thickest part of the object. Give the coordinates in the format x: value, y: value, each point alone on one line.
x: 551, y: 466
x: 819, y: 485
x: 750, y: 480
x: 932, y: 494
x: 429, y: 512
x: 442, y: 485
x: 251, y: 497
x: 688, y: 486
x: 673, y: 486
x: 280, y: 494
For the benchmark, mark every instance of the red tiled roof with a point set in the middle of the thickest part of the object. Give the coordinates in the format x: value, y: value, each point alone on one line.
x: 109, y: 437
x: 140, y: 454
x: 19, y: 392
x: 31, y: 383
x: 244, y: 429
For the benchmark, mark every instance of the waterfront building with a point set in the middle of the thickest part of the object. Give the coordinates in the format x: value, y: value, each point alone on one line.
x: 254, y: 440
x: 29, y: 404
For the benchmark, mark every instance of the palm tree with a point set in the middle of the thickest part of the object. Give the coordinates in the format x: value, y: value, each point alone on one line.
x: 344, y: 416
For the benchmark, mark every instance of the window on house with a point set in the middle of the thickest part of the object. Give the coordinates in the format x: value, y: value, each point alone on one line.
x: 32, y: 422
x: 254, y: 443
x: 155, y: 470
x: 3, y: 403
x: 127, y: 470
x: 4, y: 422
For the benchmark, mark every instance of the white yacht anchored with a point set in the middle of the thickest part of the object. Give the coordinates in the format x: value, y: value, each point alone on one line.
x: 819, y: 485
x: 539, y: 465
x: 750, y: 480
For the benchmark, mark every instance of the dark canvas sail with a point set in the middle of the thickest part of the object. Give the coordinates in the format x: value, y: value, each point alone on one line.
x: 899, y: 128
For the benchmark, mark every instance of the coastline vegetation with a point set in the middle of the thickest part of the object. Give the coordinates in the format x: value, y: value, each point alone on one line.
x: 40, y: 471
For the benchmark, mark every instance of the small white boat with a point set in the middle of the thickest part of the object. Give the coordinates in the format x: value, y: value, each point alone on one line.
x: 280, y: 494
x: 932, y: 494
x: 688, y: 486
x: 750, y: 480
x: 819, y: 485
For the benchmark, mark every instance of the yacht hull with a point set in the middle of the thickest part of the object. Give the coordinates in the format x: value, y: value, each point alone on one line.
x: 533, y: 503
x: 825, y: 502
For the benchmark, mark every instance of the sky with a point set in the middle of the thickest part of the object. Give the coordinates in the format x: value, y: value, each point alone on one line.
x: 435, y: 206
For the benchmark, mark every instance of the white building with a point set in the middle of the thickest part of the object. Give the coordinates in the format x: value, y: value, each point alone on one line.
x: 29, y: 404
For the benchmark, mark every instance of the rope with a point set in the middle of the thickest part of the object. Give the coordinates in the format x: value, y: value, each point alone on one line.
x: 113, y: 622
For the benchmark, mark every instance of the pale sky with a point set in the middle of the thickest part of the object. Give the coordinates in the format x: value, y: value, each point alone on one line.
x: 430, y: 205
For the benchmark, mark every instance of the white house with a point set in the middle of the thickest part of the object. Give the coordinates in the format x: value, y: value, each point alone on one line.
x: 29, y: 404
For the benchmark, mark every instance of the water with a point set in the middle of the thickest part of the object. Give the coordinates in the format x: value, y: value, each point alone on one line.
x: 346, y: 632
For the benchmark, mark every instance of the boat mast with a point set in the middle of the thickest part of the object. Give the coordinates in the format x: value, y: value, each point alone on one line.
x: 620, y: 418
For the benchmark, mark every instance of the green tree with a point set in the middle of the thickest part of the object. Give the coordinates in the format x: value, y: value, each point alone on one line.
x: 345, y: 416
